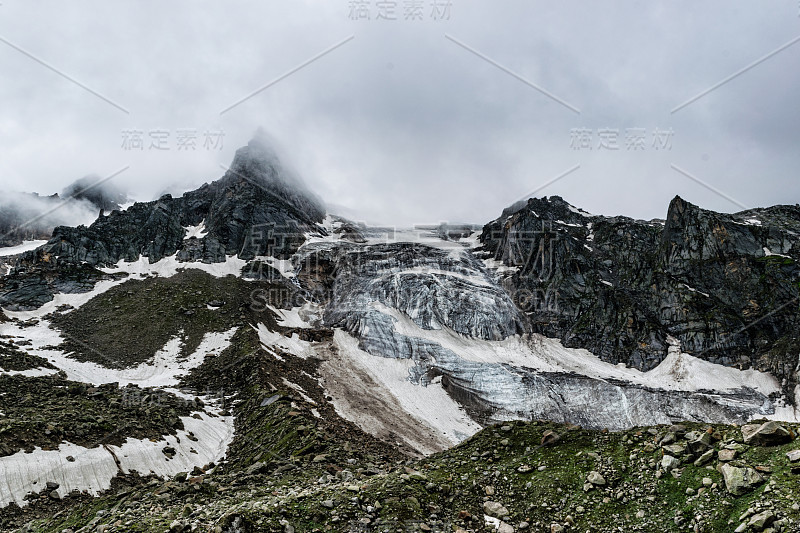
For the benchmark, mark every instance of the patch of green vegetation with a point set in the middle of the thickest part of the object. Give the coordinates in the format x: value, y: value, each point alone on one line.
x: 776, y: 260
x: 46, y: 411
x: 129, y: 323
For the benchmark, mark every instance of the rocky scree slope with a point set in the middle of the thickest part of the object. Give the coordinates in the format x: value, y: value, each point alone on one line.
x: 534, y: 476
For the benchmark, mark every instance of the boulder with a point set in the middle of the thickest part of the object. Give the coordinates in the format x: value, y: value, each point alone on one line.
x: 495, y: 509
x: 793, y: 456
x: 550, y: 437
x: 669, y: 463
x: 595, y: 478
x: 738, y: 480
x: 705, y: 458
x: 727, y: 455
x: 698, y: 441
x: 767, y: 434
x: 675, y: 449
x: 761, y: 520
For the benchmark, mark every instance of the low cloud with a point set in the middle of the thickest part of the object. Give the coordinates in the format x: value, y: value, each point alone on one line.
x: 29, y: 216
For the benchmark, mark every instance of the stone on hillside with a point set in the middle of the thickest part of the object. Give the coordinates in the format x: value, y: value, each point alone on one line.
x: 495, y: 509
x: 705, y: 458
x: 767, y: 434
x: 738, y: 480
x: 550, y: 437
x: 793, y: 456
x: 675, y: 449
x: 727, y: 455
x: 256, y: 468
x: 698, y: 441
x: 677, y: 429
x: 595, y: 478
x: 417, y: 476
x: 761, y: 520
x: 669, y: 463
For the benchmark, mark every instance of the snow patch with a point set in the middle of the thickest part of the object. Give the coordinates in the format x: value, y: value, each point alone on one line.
x: 196, y: 232
x: 21, y: 248
x: 579, y: 211
x: 30, y: 373
x: 164, y: 369
x: 426, y: 418
x: 93, y: 468
x: 498, y: 266
x: 169, y: 266
x: 290, y: 318
x: 695, y: 290
x: 768, y: 253
x: 294, y: 345
x: 300, y: 390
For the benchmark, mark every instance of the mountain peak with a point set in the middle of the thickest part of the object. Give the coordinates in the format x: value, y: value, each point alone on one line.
x: 259, y: 164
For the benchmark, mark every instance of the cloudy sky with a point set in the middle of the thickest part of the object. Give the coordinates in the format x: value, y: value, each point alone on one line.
x: 419, y: 113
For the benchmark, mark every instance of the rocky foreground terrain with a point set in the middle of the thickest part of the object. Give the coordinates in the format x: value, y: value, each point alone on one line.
x: 520, y: 476
x: 239, y: 360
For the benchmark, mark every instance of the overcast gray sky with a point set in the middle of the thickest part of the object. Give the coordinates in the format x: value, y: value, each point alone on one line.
x: 449, y: 118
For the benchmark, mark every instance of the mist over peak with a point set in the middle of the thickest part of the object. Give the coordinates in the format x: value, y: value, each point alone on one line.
x: 260, y: 164
x: 103, y: 194
x: 27, y: 216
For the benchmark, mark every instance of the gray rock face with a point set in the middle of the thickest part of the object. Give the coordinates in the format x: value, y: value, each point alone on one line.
x: 256, y: 208
x: 618, y: 287
x: 615, y: 286
x: 738, y: 480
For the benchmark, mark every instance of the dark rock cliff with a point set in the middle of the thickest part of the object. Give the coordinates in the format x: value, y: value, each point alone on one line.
x: 725, y: 285
x: 257, y: 208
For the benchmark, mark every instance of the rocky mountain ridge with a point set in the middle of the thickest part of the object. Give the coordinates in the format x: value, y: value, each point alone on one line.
x: 726, y: 286
x: 285, y: 357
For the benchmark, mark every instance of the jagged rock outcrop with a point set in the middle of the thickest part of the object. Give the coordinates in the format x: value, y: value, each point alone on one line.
x: 725, y: 285
x: 257, y: 208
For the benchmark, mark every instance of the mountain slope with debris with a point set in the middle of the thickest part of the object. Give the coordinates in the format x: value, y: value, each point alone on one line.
x: 237, y: 360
